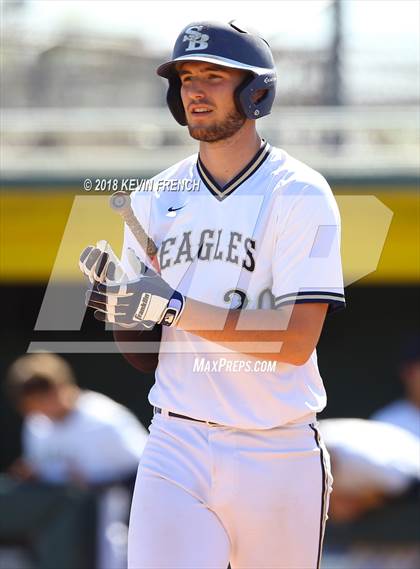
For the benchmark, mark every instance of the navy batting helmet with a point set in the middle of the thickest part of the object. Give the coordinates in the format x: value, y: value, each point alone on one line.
x: 228, y: 45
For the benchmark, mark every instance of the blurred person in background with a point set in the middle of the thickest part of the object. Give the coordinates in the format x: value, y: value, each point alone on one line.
x: 375, y: 497
x: 72, y: 436
x: 405, y: 412
x: 372, y: 463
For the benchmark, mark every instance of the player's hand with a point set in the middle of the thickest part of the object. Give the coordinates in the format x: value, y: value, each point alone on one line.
x: 99, y: 263
x: 141, y: 303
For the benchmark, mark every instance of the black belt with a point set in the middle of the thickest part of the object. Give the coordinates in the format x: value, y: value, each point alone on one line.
x: 178, y: 416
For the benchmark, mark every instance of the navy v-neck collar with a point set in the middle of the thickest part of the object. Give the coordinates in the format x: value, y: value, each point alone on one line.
x: 222, y: 192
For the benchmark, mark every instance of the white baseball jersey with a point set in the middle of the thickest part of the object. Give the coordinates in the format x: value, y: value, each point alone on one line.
x: 267, y: 239
x: 402, y: 413
x: 99, y: 440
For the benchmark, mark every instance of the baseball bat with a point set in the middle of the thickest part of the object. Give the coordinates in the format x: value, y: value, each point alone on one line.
x: 120, y: 202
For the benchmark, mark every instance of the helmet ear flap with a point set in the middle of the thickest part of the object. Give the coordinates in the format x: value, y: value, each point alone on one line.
x: 173, y: 98
x: 246, y: 90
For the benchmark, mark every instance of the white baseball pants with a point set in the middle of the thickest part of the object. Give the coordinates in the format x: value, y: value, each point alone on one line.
x: 209, y: 495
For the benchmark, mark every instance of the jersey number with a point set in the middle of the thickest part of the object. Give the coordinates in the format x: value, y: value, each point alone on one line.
x: 238, y: 299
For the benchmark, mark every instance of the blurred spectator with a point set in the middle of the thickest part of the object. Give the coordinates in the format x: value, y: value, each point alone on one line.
x: 78, y: 437
x: 70, y: 435
x: 405, y: 412
x: 372, y: 462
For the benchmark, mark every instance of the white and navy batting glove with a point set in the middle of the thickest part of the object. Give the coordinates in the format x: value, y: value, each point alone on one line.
x: 99, y: 263
x: 137, y: 303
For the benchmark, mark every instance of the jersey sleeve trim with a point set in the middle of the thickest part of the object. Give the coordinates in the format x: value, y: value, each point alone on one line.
x: 335, y: 300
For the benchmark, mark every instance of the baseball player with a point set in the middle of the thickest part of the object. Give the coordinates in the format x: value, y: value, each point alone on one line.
x: 234, y: 469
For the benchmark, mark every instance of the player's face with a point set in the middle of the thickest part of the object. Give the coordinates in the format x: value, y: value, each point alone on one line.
x: 46, y: 403
x: 207, y: 95
x: 54, y: 403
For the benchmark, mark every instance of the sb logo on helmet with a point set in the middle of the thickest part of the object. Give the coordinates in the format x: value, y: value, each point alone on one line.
x: 195, y: 39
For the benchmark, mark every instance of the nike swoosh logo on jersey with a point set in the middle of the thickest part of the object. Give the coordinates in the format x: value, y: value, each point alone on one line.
x: 170, y: 209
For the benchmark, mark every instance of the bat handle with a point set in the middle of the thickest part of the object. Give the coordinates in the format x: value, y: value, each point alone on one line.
x: 121, y: 203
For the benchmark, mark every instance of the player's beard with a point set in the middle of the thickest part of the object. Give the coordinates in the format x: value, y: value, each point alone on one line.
x: 218, y: 130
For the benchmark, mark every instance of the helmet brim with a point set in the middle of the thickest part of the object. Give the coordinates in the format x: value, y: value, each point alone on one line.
x: 168, y: 69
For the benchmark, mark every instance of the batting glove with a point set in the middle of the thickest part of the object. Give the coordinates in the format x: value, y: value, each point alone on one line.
x: 99, y: 263
x: 140, y: 303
